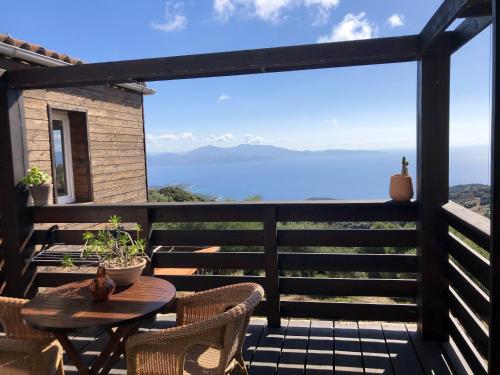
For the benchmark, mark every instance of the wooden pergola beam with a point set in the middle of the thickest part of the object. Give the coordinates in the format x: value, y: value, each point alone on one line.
x: 477, y: 10
x: 267, y: 60
x: 448, y: 11
x: 468, y: 29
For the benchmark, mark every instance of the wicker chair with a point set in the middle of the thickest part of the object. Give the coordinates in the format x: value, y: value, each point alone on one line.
x: 207, y: 339
x: 24, y: 350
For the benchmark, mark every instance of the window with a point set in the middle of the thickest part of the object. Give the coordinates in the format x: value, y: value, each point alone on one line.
x: 62, y: 158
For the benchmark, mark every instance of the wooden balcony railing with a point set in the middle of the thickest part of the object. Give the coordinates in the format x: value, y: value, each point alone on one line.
x: 272, y: 262
x: 281, y: 254
x: 468, y: 276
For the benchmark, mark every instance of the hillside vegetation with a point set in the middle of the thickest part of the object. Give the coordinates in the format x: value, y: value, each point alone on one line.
x: 176, y: 194
x: 475, y: 197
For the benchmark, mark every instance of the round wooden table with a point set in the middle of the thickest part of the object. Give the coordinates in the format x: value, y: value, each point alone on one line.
x: 70, y: 308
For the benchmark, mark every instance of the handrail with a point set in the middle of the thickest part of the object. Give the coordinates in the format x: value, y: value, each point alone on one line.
x: 471, y: 224
x: 330, y: 210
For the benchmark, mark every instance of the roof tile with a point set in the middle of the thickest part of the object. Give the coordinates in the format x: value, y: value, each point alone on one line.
x: 7, y: 39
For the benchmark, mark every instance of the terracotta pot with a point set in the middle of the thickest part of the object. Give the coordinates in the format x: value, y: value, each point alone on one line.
x: 102, y: 287
x: 401, y: 188
x: 126, y: 275
x: 42, y: 194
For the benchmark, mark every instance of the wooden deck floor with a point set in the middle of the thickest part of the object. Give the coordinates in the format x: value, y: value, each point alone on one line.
x: 314, y: 347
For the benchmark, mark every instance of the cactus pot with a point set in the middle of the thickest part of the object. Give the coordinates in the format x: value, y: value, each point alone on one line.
x: 41, y: 194
x: 401, y: 188
x: 126, y: 275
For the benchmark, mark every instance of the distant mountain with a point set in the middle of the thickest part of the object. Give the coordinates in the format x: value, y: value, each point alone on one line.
x: 241, y: 153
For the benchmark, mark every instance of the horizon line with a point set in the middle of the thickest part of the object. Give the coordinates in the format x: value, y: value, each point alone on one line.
x: 387, y: 149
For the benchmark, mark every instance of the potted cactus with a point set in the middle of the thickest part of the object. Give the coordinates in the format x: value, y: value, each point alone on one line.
x: 122, y: 257
x: 401, y: 186
x: 40, y: 186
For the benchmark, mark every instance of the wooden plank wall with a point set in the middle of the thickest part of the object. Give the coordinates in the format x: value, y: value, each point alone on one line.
x: 115, y: 131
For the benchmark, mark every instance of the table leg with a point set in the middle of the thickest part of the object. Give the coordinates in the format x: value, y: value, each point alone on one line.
x: 72, y: 353
x: 114, y: 349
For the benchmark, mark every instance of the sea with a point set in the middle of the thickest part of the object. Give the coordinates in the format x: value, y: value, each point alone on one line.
x: 359, y: 175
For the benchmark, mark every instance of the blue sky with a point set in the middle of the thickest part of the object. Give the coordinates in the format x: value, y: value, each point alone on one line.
x: 359, y: 108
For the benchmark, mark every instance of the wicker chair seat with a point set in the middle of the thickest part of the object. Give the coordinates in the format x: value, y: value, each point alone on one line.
x: 24, y: 350
x: 23, y: 357
x: 202, y: 360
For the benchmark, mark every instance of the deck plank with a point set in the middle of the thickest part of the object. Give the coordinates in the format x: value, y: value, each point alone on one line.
x: 252, y: 338
x: 320, y: 350
x: 267, y: 354
x: 459, y: 364
x: 348, y: 357
x: 376, y: 359
x: 294, y: 350
x: 314, y: 348
x: 403, y: 357
x: 431, y: 354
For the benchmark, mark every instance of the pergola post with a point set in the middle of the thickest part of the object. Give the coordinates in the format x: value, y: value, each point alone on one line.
x: 494, y: 321
x: 17, y: 225
x: 432, y: 192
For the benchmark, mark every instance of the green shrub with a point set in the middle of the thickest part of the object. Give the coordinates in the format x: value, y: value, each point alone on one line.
x: 35, y: 177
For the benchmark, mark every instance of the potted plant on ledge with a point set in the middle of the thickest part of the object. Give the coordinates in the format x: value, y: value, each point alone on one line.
x: 401, y: 187
x: 123, y: 257
x: 40, y: 186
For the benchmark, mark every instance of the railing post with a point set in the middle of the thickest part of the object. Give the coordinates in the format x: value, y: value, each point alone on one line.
x: 494, y: 316
x: 432, y: 192
x: 271, y: 267
x: 143, y: 221
x: 16, y: 221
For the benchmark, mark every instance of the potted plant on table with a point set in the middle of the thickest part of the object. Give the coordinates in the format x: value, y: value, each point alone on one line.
x: 401, y: 187
x: 40, y: 186
x: 123, y: 257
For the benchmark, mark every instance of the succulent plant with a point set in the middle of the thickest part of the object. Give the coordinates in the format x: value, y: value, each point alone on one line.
x: 36, y: 177
x: 404, y: 166
x: 115, y: 247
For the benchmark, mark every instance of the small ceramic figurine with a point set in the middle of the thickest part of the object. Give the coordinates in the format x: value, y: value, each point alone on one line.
x: 102, y: 287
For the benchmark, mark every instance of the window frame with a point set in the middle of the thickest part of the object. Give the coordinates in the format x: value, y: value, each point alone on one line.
x: 67, y: 155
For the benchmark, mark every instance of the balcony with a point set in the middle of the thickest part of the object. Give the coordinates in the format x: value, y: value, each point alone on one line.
x: 275, y: 252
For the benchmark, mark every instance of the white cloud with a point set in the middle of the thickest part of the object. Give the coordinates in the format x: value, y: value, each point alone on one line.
x: 226, y: 137
x: 324, y: 9
x: 352, y: 27
x: 224, y: 9
x: 396, y: 20
x: 186, y: 136
x: 253, y: 139
x: 174, y: 18
x: 223, y: 98
x: 271, y: 10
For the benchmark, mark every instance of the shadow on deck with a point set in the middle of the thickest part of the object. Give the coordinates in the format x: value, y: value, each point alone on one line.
x: 318, y: 347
